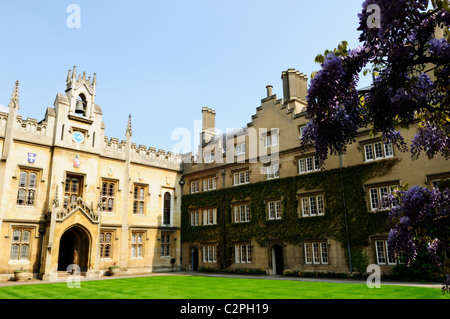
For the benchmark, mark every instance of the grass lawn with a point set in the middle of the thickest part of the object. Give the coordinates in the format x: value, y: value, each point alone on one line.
x: 197, y: 287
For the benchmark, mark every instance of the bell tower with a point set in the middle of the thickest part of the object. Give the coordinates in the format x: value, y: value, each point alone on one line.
x: 81, y: 94
x: 78, y: 119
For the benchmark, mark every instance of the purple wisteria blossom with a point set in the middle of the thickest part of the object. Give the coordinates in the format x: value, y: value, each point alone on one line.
x: 419, y: 219
x: 410, y: 83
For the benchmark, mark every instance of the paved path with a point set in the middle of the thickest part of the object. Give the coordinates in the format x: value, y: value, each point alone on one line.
x: 260, y: 277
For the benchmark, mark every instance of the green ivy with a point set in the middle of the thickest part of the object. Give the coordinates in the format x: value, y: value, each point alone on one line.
x: 291, y: 228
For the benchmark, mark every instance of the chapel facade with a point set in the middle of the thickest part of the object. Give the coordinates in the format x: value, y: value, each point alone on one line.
x: 69, y: 195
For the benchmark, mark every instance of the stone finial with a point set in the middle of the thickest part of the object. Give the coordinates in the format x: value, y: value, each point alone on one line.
x: 15, y: 96
x: 69, y: 77
x: 129, y: 131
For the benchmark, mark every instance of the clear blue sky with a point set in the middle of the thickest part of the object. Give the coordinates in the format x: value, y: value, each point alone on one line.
x: 162, y: 61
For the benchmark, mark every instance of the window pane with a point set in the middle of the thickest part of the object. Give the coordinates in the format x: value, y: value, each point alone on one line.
x: 388, y: 151
x: 316, y: 253
x: 108, y: 237
x: 21, y: 197
x: 111, y: 189
x: 16, y: 236
x: 312, y: 205
x: 271, y: 210
x: 74, y: 185
x: 23, y: 179
x: 324, y: 250
x: 30, y: 198
x: 368, y: 152
x: 107, y: 252
x: 24, y: 250
x: 305, y: 206
x: 320, y: 206
x: 26, y: 236
x: 32, y: 180
x: 67, y: 185
x: 374, y: 198
x: 309, y: 164
x: 379, y: 246
x: 14, y: 252
x: 110, y: 205
x: 247, y: 176
x: 278, y: 209
x: 378, y: 150
x: 104, y: 189
x: 301, y: 166
x: 308, y: 253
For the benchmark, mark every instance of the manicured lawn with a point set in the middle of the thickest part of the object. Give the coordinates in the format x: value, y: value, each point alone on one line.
x: 196, y: 287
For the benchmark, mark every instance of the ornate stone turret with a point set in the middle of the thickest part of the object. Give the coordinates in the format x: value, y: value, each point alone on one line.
x: 11, y: 123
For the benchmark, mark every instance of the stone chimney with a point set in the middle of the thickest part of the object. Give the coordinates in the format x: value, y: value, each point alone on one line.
x: 269, y: 90
x: 209, y: 124
x: 294, y: 85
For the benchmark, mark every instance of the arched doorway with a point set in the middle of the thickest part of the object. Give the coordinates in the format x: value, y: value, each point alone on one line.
x: 194, y: 258
x: 277, y: 260
x: 74, y: 249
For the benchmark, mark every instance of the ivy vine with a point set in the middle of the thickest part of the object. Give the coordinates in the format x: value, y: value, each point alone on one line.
x: 291, y: 228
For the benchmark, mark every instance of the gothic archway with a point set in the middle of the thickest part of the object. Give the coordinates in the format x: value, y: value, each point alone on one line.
x: 74, y: 248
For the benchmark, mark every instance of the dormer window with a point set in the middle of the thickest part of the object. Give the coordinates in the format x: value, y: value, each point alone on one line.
x: 80, y: 106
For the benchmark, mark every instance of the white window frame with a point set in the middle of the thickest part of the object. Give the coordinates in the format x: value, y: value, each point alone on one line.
x: 210, y: 216
x: 376, y: 194
x: 382, y: 253
x: 194, y: 218
x: 241, y: 213
x: 303, y: 166
x: 209, y: 184
x: 239, y: 149
x: 301, y: 130
x: 209, y: 254
x: 195, y: 187
x: 242, y: 177
x: 243, y: 253
x: 209, y: 157
x: 274, y: 209
x: 312, y: 206
x: 271, y: 140
x: 273, y: 171
x: 377, y: 151
x: 316, y: 253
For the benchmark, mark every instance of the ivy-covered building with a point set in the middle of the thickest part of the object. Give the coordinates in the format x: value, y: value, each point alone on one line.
x: 255, y: 199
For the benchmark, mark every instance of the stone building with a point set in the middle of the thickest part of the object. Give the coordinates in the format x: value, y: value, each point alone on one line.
x: 255, y: 199
x: 71, y: 195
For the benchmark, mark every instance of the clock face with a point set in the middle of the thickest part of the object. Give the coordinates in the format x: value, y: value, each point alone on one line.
x: 78, y: 137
